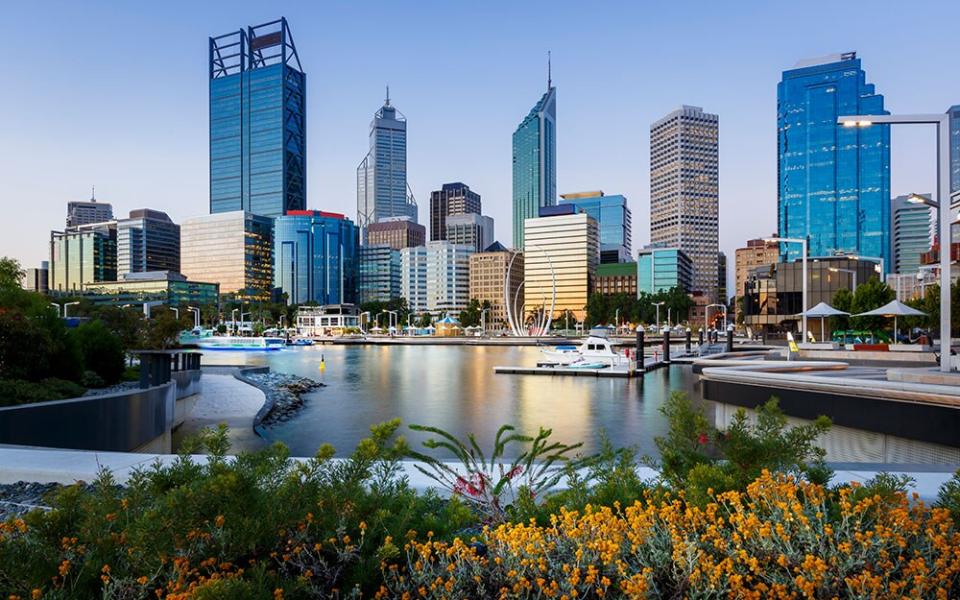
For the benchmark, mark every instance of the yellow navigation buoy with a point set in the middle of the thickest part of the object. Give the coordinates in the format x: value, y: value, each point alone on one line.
x: 323, y: 364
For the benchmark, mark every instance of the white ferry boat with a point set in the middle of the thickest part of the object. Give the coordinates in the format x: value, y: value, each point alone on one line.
x: 206, y: 340
x: 595, y: 349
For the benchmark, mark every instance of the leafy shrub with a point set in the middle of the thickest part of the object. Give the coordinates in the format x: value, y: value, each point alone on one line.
x: 18, y: 391
x: 91, y: 380
x: 949, y: 496
x: 781, y: 538
x: 101, y: 350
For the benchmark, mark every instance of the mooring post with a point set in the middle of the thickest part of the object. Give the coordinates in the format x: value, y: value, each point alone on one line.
x: 666, y: 345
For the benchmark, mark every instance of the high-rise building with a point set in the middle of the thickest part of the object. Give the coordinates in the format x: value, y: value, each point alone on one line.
x: 685, y: 190
x: 722, y: 278
x: 413, y: 278
x: 451, y: 199
x: 379, y: 274
x: 535, y: 162
x: 614, y: 220
x: 80, y: 212
x: 82, y: 255
x: 661, y: 269
x: 234, y: 250
x: 833, y: 181
x: 911, y: 232
x: 315, y: 257
x: 489, y: 282
x: 617, y: 278
x: 147, y: 241
x: 382, y: 190
x: 448, y: 277
x: 757, y: 253
x: 37, y: 279
x: 396, y: 232
x: 258, y: 148
x: 560, y: 252
x: 954, y: 112
x: 471, y: 230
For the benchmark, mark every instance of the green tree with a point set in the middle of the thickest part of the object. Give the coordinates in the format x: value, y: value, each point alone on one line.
x: 868, y: 296
x: 470, y: 316
x: 11, y: 275
x: 842, y: 300
x: 163, y: 330
x: 598, y: 310
x: 102, y: 351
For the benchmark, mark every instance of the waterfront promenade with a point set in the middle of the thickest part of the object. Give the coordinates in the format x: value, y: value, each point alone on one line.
x: 225, y: 399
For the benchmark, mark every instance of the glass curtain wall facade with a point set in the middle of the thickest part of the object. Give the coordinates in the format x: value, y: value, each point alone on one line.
x: 913, y: 229
x: 171, y: 288
x: 382, y: 190
x: 379, y: 279
x: 147, y: 241
x: 413, y: 278
x: 234, y: 250
x: 562, y: 250
x: 534, y: 163
x: 662, y: 269
x: 315, y: 256
x: 954, y: 112
x: 451, y: 199
x: 82, y: 256
x: 614, y: 220
x: 833, y: 181
x: 257, y: 122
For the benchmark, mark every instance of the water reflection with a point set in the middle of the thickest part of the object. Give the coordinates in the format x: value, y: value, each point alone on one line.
x: 454, y: 388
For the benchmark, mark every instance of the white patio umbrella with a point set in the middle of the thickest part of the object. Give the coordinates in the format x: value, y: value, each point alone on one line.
x: 894, y: 309
x: 823, y: 310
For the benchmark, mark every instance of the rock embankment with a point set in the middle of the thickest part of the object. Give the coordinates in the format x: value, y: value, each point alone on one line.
x: 285, y: 394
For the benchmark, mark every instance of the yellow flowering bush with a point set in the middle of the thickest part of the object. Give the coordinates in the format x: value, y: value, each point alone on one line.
x: 781, y: 538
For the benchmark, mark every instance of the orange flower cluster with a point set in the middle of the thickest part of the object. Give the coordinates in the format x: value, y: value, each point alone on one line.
x: 781, y: 539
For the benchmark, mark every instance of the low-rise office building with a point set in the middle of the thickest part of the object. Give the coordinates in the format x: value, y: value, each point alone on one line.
x: 81, y: 256
x: 333, y: 319
x: 662, y: 269
x: 37, y: 279
x: 173, y: 289
x: 489, y: 282
x: 617, y: 278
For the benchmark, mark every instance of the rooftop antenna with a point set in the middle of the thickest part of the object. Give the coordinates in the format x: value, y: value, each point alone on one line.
x: 549, y: 73
x: 387, y: 101
x: 93, y: 193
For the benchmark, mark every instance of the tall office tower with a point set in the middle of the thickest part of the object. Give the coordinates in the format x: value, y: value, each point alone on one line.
x: 614, y: 219
x: 662, y: 269
x: 471, y: 230
x: 833, y: 181
x: 912, y: 233
x: 535, y: 162
x: 233, y: 249
x: 561, y: 252
x: 258, y: 111
x: 685, y: 190
x: 413, y: 278
x: 722, y: 278
x: 382, y: 190
x: 37, y: 279
x: 82, y: 255
x: 451, y: 199
x: 396, y: 232
x: 90, y: 211
x: 954, y: 112
x: 448, y: 277
x: 147, y: 241
x: 488, y: 280
x: 315, y: 257
x: 757, y: 253
x: 379, y: 279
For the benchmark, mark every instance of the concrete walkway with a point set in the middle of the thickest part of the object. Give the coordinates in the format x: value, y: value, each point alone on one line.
x: 228, y: 400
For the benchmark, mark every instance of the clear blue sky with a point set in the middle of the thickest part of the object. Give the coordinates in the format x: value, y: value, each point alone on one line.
x: 116, y: 95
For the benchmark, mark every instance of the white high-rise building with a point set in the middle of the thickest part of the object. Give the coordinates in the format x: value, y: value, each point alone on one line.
x: 685, y: 190
x: 413, y: 277
x: 436, y: 278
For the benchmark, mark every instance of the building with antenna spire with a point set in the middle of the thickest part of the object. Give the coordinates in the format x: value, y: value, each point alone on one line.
x: 84, y: 212
x: 382, y: 189
x: 535, y: 160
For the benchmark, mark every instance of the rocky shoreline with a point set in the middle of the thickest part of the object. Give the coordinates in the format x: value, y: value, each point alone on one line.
x: 284, y: 394
x: 17, y: 499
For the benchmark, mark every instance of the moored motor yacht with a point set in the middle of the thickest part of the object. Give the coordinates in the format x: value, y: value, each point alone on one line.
x: 595, y: 349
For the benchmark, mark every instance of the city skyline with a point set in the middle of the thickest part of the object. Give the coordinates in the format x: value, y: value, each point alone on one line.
x: 168, y: 169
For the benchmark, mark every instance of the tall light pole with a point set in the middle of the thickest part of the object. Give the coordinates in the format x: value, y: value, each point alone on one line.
x: 942, y: 122
x: 196, y: 316
x: 360, y: 320
x: 616, y: 320
x: 233, y: 320
x: 658, y: 304
x: 65, y: 308
x: 58, y: 307
x: 803, y: 245
x: 876, y: 259
x: 483, y: 321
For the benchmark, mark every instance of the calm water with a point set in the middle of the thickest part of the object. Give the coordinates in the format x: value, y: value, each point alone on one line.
x: 455, y: 388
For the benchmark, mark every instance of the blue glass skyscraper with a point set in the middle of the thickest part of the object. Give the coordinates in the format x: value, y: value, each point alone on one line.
x: 535, y: 162
x: 316, y: 257
x: 382, y: 190
x: 834, y: 181
x: 257, y: 122
x: 613, y: 219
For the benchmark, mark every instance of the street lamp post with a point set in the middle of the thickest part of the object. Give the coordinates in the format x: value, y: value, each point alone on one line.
x: 616, y: 320
x: 233, y: 320
x: 483, y: 321
x: 803, y: 245
x: 196, y: 316
x: 59, y: 309
x: 942, y: 122
x: 65, y: 308
x: 850, y: 272
x: 176, y: 312
x: 360, y: 320
x: 658, y: 304
x: 706, y: 314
